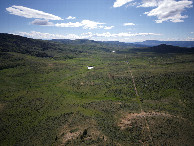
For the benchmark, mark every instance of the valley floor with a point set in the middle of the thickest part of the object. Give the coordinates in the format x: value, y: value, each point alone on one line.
x: 126, y: 99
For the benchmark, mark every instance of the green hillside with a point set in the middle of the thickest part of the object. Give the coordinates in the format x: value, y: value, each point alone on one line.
x: 50, y: 97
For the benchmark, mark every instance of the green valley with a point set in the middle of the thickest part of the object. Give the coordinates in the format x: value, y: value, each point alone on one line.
x: 133, y: 96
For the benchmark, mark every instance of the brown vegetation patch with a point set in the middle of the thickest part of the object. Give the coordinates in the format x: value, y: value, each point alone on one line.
x: 89, y: 83
x: 127, y: 120
x: 2, y: 106
x: 51, y: 65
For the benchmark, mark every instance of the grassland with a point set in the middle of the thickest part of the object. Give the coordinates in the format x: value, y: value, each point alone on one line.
x: 58, y: 101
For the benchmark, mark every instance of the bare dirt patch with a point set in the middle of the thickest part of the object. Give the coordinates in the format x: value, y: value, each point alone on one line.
x: 70, y: 136
x: 50, y: 64
x: 126, y: 121
x: 80, y: 133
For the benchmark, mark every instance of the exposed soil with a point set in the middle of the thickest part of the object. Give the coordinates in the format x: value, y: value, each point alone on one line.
x: 85, y: 131
x: 70, y: 136
x: 127, y: 120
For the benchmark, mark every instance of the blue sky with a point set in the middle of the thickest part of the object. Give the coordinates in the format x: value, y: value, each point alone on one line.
x: 104, y: 20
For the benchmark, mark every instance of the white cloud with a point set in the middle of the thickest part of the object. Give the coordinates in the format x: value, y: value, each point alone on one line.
x: 42, y: 22
x: 87, y: 35
x: 106, y: 34
x: 128, y: 24
x: 70, y: 17
x: 149, y: 3
x: 69, y: 24
x: 132, y: 4
x: 170, y: 10
x: 31, y: 13
x: 165, y: 10
x: 86, y: 24
x: 108, y: 27
x: 119, y: 3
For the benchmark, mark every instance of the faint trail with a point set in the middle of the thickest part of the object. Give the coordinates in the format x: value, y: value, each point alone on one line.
x: 138, y: 98
x: 134, y: 82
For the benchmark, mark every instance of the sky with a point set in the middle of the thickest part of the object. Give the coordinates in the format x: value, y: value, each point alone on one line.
x: 100, y: 20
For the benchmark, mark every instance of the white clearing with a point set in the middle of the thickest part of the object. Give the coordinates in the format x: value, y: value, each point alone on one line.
x: 90, y: 67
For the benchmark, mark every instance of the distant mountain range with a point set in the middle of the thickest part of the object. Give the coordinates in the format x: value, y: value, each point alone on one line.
x: 151, y: 43
x: 92, y: 42
x: 111, y: 44
x: 71, y: 48
x: 147, y: 43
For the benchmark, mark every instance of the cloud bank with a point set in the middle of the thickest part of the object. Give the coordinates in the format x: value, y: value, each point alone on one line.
x: 89, y: 35
x: 85, y: 24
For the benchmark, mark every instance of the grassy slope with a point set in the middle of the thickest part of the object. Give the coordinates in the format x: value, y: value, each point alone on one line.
x: 44, y: 99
